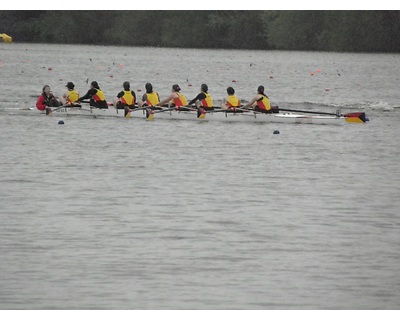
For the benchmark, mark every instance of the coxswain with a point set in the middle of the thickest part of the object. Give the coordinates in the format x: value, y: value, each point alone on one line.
x: 260, y: 102
x: 71, y: 96
x: 46, y: 100
x: 175, y: 99
x: 96, y: 96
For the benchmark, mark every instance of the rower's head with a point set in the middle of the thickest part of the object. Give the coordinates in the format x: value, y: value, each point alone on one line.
x: 70, y: 85
x: 94, y: 84
x: 204, y: 87
x: 46, y: 89
x: 126, y: 85
x: 260, y: 89
x: 230, y: 91
x: 149, y: 87
x: 176, y: 88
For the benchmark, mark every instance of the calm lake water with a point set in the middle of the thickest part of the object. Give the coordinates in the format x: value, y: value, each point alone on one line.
x: 129, y: 214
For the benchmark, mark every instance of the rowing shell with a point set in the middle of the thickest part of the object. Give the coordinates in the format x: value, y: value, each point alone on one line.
x: 218, y: 115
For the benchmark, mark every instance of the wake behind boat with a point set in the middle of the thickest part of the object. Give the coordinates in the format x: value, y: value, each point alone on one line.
x: 240, y: 115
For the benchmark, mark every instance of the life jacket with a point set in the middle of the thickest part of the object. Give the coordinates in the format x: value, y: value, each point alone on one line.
x: 73, y: 96
x: 98, y: 96
x: 263, y: 103
x: 152, y: 99
x: 207, y: 102
x: 180, y: 100
x: 233, y: 101
x: 128, y: 98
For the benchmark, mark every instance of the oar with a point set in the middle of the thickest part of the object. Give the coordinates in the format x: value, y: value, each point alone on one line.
x: 49, y: 110
x: 311, y: 112
x: 350, y: 117
x: 129, y: 110
x: 110, y: 104
x: 166, y: 108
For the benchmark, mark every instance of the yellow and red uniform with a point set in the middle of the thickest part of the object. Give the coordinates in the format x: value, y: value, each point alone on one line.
x: 180, y: 100
x: 151, y: 99
x: 206, y: 100
x: 73, y: 96
x: 128, y: 98
x: 263, y: 103
x: 233, y: 101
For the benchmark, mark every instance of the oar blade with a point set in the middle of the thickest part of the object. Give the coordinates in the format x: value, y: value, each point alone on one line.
x: 127, y: 112
x: 149, y: 115
x: 201, y: 113
x: 356, y: 117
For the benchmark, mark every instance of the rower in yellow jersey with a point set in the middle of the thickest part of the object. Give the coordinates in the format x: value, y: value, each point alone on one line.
x: 175, y: 99
x: 71, y: 96
x: 231, y: 101
x: 125, y: 98
x: 96, y: 96
x: 260, y: 102
x: 203, y: 100
x: 150, y: 99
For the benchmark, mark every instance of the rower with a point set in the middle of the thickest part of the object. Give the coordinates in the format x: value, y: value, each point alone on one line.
x: 71, y: 96
x: 231, y: 101
x: 175, y: 99
x: 260, y: 102
x: 150, y: 99
x: 203, y: 99
x: 125, y: 98
x: 96, y: 96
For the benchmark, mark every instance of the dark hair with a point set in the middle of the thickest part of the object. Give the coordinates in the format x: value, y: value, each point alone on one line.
x: 70, y: 85
x: 260, y: 89
x: 204, y: 87
x: 126, y: 85
x: 95, y: 84
x: 149, y: 87
x: 176, y: 88
x: 230, y: 91
x: 44, y: 87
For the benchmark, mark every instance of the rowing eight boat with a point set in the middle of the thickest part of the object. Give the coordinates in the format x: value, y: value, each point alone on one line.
x: 215, y: 115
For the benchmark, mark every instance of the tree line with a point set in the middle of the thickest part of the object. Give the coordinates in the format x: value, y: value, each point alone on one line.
x: 341, y: 31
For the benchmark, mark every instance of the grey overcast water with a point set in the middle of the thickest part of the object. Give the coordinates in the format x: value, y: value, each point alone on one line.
x: 128, y: 214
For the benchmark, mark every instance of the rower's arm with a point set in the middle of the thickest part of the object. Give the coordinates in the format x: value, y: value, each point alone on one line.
x: 167, y: 100
x: 200, y: 96
x: 250, y: 104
